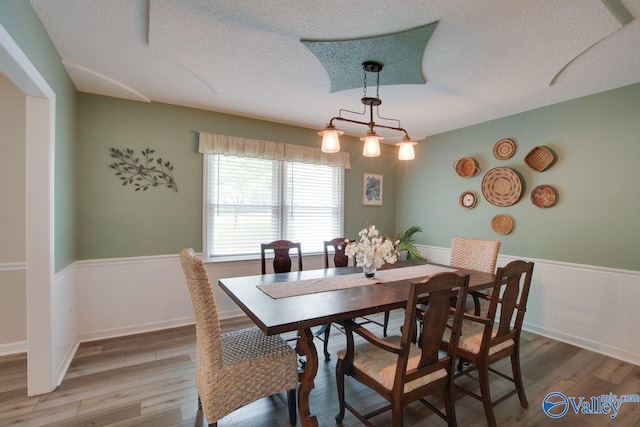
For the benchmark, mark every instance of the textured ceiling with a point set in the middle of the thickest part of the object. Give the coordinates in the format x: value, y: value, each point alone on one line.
x: 483, y: 60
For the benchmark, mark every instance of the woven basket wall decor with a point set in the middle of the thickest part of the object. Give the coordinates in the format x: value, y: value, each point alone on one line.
x: 539, y: 158
x: 502, y: 186
x: 468, y: 199
x: 466, y: 167
x: 504, y: 149
x: 544, y: 196
x: 502, y: 224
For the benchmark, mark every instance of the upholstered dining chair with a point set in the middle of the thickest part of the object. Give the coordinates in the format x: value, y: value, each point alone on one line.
x: 496, y: 341
x: 281, y: 257
x: 399, y: 370
x: 340, y: 259
x: 235, y: 368
x: 474, y: 254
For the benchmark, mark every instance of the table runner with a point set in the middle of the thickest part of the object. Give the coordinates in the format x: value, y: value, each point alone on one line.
x: 325, y: 284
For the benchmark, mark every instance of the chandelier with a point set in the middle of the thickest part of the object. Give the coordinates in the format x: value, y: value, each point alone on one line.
x: 330, y: 135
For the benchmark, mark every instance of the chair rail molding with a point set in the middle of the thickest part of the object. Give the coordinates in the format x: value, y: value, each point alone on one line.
x: 13, y: 266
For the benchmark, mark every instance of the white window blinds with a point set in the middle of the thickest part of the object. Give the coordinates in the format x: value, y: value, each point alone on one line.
x: 249, y: 201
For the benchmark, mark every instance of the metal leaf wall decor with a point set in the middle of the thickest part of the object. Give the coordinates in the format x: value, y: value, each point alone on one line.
x: 145, y: 173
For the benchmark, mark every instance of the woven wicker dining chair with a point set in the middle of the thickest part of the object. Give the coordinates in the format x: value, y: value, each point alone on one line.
x: 475, y: 254
x: 488, y: 344
x: 234, y: 368
x: 403, y: 372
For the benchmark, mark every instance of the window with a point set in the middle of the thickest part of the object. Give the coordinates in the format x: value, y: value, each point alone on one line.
x: 249, y: 201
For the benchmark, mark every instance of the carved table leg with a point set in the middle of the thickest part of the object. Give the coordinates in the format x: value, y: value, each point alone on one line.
x: 306, y: 347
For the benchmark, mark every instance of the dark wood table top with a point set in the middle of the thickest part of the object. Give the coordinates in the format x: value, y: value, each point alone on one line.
x: 275, y: 316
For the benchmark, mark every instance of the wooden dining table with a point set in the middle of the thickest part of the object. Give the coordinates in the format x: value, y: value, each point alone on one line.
x: 302, y: 312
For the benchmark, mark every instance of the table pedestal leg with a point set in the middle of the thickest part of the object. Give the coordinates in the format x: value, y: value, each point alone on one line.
x: 306, y: 347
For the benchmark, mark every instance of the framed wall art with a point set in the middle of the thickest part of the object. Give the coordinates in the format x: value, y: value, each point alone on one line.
x: 372, y: 189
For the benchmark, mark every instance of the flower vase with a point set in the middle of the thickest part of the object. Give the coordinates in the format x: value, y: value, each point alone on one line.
x: 369, y: 271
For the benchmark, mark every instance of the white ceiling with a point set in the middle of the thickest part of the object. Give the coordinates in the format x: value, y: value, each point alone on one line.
x: 485, y: 60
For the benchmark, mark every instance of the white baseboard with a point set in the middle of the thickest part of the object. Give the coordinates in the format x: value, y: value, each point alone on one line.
x: 596, y: 347
x: 134, y: 329
x: 66, y: 362
x: 13, y: 348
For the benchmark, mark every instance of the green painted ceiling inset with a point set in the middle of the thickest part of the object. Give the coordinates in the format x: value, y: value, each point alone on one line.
x: 400, y: 54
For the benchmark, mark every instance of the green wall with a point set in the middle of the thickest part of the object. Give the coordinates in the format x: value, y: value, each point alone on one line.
x: 596, y: 220
x: 116, y: 221
x: 22, y: 23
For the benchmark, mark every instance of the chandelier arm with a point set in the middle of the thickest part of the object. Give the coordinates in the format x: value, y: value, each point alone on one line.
x: 342, y: 119
x: 399, y: 129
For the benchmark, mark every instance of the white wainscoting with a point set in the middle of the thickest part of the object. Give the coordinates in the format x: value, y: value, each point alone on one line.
x: 123, y: 296
x: 64, y: 320
x: 12, y: 280
x: 590, y: 307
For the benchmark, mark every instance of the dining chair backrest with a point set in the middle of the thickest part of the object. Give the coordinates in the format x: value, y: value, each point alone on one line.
x: 340, y: 259
x: 208, y: 333
x: 438, y: 288
x: 509, y: 296
x: 474, y: 254
x: 281, y: 257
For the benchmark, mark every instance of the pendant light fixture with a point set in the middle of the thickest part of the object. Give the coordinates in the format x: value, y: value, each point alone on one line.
x: 330, y: 135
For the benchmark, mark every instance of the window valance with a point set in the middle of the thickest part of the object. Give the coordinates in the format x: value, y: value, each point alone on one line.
x: 211, y: 143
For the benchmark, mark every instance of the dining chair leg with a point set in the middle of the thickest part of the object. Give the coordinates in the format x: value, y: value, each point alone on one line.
x: 340, y: 385
x: 292, y: 403
x: 397, y: 415
x: 517, y: 378
x: 449, y: 406
x: 476, y: 303
x: 199, y: 403
x: 485, y: 392
x: 385, y: 323
x: 327, y: 355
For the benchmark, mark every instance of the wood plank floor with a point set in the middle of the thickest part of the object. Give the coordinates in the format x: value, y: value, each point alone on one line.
x: 148, y: 379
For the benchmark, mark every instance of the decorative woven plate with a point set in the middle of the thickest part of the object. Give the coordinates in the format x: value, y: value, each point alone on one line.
x: 504, y: 149
x: 466, y: 167
x: 539, y: 158
x: 502, y: 224
x: 544, y: 196
x: 468, y: 199
x: 501, y: 186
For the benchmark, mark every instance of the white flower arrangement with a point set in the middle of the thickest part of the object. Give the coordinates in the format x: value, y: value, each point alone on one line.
x: 373, y: 249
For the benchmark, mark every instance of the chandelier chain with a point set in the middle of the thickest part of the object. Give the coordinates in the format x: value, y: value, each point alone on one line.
x: 365, y: 83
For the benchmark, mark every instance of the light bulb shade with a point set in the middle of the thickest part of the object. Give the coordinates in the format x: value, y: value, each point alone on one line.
x: 406, y: 150
x: 371, y: 144
x: 330, y: 139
